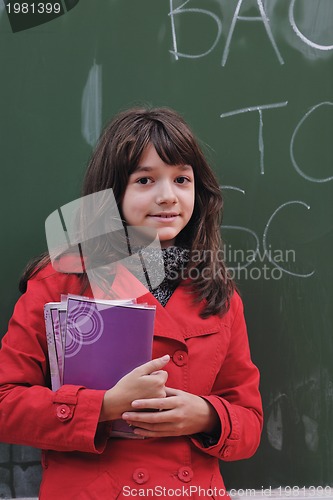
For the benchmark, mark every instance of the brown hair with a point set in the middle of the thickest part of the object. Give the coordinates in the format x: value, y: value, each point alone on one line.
x: 117, y: 155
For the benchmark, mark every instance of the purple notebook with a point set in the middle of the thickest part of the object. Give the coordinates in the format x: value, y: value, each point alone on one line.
x: 104, y: 342
x: 95, y: 343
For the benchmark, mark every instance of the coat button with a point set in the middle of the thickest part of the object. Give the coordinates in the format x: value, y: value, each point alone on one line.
x: 140, y: 476
x: 185, y: 474
x: 63, y: 412
x: 180, y: 358
x: 226, y: 451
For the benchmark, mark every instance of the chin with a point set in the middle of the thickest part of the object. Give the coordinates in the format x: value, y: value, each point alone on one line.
x: 167, y: 242
x: 166, y: 237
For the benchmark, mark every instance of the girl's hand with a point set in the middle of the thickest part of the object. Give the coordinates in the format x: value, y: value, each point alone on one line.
x: 180, y: 413
x: 145, y: 381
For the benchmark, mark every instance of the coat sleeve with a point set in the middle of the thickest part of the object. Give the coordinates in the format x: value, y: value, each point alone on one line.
x: 30, y: 412
x: 235, y: 397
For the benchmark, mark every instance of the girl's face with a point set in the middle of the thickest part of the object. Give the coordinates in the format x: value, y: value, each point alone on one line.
x: 159, y: 196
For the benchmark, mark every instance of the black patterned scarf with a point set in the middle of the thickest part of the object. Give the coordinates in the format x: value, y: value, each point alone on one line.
x: 175, y: 262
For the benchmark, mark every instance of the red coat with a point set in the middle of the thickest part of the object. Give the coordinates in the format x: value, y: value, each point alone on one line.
x: 209, y: 357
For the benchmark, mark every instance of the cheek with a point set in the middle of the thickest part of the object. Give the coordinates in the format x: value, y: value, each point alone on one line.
x: 190, y: 202
x: 123, y: 205
x: 133, y: 204
x: 127, y: 206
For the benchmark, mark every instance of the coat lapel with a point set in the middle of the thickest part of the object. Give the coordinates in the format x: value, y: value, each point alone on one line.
x: 178, y: 320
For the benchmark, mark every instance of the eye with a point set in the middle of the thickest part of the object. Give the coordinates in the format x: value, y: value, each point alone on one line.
x: 182, y: 180
x: 144, y: 180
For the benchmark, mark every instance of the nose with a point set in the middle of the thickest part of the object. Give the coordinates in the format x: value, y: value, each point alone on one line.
x: 166, y: 193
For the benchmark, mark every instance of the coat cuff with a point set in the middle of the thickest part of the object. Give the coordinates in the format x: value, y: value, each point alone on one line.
x: 78, y: 410
x: 221, y: 445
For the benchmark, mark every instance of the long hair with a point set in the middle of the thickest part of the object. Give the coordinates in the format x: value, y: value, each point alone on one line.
x: 116, y: 157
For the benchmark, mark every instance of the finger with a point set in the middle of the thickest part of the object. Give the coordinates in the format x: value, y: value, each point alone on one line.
x: 151, y: 434
x: 153, y: 365
x: 133, y: 418
x: 152, y: 427
x: 162, y: 376
x: 170, y: 391
x: 149, y: 417
x: 154, y: 404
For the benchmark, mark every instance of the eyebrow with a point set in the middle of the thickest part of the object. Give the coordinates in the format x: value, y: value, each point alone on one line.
x: 142, y: 168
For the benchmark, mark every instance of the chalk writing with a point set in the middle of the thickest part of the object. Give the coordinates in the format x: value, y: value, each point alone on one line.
x: 292, y: 156
x: 300, y: 34
x: 244, y: 229
x: 180, y: 10
x: 294, y: 31
x: 233, y: 188
x: 261, y: 124
x: 253, y: 255
x: 274, y: 427
x: 91, y: 107
x: 263, y: 18
x: 264, y: 239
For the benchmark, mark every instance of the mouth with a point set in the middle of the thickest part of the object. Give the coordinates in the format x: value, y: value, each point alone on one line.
x: 165, y: 216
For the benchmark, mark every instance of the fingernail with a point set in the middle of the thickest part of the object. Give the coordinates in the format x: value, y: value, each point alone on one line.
x: 125, y: 415
x: 166, y: 357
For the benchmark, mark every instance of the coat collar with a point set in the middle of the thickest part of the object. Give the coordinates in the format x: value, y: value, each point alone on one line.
x: 179, y: 319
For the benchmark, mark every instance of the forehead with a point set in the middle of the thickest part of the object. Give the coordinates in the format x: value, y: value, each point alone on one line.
x: 150, y: 160
x: 152, y: 168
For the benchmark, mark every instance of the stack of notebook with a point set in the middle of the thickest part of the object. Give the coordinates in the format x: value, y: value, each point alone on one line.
x: 94, y: 343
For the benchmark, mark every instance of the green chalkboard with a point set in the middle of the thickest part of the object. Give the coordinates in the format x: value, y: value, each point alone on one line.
x: 254, y: 79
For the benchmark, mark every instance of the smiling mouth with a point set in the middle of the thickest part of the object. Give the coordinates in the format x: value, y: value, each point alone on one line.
x: 165, y: 216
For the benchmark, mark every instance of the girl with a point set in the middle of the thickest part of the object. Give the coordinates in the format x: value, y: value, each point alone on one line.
x: 201, y: 377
